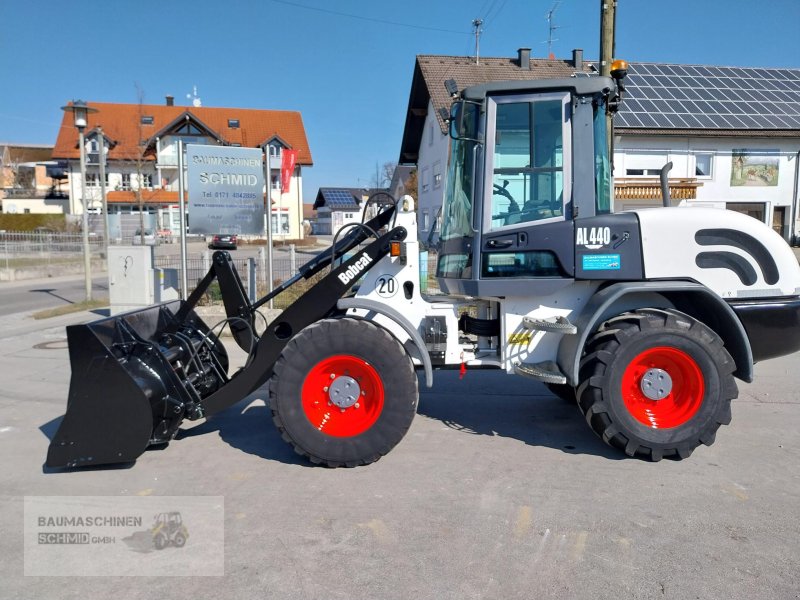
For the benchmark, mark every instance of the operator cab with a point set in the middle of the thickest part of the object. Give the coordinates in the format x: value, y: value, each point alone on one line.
x: 527, y: 159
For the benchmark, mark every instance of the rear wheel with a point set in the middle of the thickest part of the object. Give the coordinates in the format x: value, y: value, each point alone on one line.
x: 343, y: 392
x: 656, y: 383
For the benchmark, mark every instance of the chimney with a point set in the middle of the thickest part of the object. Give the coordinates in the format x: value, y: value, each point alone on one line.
x: 170, y: 100
x: 524, y: 58
x: 577, y: 59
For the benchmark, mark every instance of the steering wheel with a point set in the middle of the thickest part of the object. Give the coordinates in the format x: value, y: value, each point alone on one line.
x: 513, y: 207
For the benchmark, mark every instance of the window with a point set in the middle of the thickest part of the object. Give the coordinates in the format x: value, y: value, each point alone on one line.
x: 430, y: 135
x: 757, y: 210
x: 602, y: 168
x: 437, y: 175
x: 275, y: 149
x: 147, y: 120
x: 528, y: 161
x: 188, y: 128
x: 284, y: 224
x: 146, y: 180
x: 233, y: 123
x: 644, y: 163
x: 92, y: 180
x: 425, y: 216
x: 426, y: 184
x: 704, y: 165
x: 126, y: 181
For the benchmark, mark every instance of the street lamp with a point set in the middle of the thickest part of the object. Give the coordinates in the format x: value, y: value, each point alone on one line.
x: 80, y: 112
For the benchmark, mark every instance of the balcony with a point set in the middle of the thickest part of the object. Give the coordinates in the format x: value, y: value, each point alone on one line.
x: 643, y: 188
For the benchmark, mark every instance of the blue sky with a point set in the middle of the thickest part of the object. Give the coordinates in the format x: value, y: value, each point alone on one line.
x: 346, y: 65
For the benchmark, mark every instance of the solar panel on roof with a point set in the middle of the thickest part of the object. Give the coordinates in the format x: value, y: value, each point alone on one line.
x: 338, y: 198
x: 698, y: 96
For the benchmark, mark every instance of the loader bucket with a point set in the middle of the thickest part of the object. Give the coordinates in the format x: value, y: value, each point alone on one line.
x: 135, y: 377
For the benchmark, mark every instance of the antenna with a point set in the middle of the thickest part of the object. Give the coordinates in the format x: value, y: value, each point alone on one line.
x: 196, y: 102
x: 476, y: 23
x: 551, y: 28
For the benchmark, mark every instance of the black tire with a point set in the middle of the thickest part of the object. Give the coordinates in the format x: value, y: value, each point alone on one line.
x: 563, y: 391
x: 382, y: 372
x: 179, y: 540
x: 160, y: 541
x: 698, y: 404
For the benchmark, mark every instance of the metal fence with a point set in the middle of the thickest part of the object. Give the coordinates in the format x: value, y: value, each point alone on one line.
x: 47, y: 248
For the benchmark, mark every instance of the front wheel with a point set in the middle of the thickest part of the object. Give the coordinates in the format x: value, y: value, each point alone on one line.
x: 343, y: 392
x: 656, y: 383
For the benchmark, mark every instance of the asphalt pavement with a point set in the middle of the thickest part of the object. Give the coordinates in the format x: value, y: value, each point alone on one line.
x: 499, y: 490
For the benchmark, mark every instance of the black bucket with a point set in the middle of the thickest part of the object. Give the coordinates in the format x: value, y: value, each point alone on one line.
x: 135, y: 377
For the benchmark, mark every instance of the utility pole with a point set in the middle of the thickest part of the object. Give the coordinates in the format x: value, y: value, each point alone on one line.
x: 608, y: 14
x: 608, y: 20
x: 101, y: 140
x: 476, y: 23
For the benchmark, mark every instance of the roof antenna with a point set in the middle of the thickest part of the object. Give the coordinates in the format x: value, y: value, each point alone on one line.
x: 196, y: 102
x: 551, y: 28
x: 476, y: 23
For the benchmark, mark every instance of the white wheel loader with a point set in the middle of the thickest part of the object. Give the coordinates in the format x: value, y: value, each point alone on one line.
x: 645, y: 319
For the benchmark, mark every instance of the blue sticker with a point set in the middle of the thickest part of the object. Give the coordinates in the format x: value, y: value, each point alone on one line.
x: 601, y: 262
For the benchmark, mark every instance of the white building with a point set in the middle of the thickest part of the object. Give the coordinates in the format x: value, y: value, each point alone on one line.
x: 732, y: 134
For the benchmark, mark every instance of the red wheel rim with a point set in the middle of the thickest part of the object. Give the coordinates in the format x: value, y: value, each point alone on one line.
x: 682, y: 402
x: 333, y: 374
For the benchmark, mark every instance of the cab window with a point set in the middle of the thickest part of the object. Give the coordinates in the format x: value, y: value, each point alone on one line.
x: 528, y: 161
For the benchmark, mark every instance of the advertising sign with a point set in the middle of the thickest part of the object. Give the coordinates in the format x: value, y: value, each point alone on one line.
x: 226, y: 189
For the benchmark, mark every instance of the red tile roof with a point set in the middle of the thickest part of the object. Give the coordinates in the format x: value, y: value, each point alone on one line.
x: 122, y: 124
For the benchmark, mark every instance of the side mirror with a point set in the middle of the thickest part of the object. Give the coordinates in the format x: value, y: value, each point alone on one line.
x: 464, y: 118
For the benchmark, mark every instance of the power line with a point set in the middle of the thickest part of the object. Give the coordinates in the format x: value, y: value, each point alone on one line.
x: 371, y: 19
x: 497, y: 12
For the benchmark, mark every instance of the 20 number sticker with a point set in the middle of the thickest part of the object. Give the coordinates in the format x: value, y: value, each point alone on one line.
x: 386, y: 286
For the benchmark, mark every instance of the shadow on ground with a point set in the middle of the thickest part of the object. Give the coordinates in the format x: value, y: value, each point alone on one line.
x: 248, y: 427
x: 483, y: 403
x: 496, y: 404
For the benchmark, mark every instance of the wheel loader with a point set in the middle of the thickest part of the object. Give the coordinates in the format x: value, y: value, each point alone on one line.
x: 644, y: 319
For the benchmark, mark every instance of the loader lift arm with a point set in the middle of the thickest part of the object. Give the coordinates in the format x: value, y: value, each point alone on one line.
x: 136, y: 376
x: 309, y: 308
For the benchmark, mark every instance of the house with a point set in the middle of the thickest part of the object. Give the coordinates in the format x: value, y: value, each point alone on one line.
x: 30, y: 182
x: 140, y: 143
x: 336, y: 207
x: 403, y: 182
x: 732, y: 134
x: 426, y: 142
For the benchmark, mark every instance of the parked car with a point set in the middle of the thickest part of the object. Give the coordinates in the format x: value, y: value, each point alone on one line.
x: 149, y: 237
x: 223, y: 241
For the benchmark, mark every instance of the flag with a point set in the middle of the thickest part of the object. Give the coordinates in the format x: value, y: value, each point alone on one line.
x: 288, y: 160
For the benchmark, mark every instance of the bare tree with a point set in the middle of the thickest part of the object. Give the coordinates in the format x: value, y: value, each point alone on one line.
x: 136, y: 161
x: 383, y: 174
x: 411, y: 186
x: 12, y: 175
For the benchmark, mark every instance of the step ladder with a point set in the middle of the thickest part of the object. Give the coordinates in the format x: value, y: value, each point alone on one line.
x: 546, y: 371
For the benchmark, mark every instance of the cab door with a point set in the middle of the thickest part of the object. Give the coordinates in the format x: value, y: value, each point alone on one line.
x: 526, y: 229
